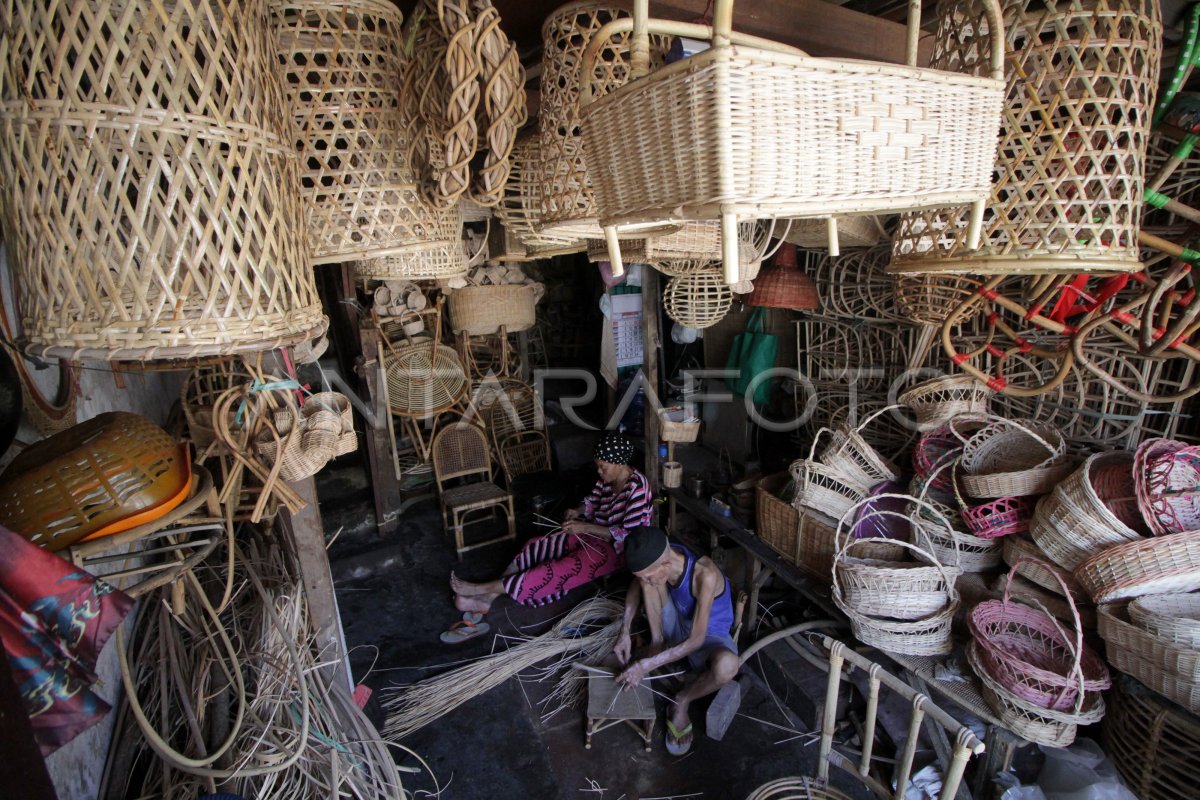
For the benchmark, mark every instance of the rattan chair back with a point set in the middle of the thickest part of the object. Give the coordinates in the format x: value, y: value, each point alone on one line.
x: 460, y: 450
x: 516, y: 409
x: 524, y: 453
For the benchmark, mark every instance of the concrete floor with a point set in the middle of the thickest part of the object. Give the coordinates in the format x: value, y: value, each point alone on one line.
x: 395, y: 600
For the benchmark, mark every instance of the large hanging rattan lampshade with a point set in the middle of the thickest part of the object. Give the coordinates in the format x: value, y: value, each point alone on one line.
x: 783, y: 285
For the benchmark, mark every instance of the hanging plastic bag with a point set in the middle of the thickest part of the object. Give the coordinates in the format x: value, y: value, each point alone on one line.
x: 753, y: 353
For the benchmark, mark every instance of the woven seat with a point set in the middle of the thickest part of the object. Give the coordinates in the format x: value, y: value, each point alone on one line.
x: 460, y: 451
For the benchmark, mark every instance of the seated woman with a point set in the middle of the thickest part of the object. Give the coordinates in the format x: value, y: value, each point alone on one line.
x: 589, y: 546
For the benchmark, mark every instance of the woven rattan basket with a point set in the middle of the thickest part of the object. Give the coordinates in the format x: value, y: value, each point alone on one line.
x: 1070, y: 163
x: 699, y: 300
x: 930, y: 299
x: 695, y: 241
x: 848, y: 452
x: 520, y: 210
x: 940, y: 400
x: 778, y: 523
x: 1152, y: 742
x: 481, y: 310
x: 1161, y: 565
x: 1174, y: 617
x: 1172, y: 671
x: 151, y: 213
x: 1167, y: 474
x: 1031, y: 563
x: 1076, y: 520
x: 340, y: 61
x: 688, y: 140
x: 1013, y: 458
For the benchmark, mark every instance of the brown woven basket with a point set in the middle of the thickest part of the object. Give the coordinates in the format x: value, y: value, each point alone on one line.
x: 482, y: 310
x: 778, y: 523
x: 1152, y: 742
x: 1174, y: 617
x: 340, y: 61
x: 1067, y: 202
x: 1161, y: 565
x: 185, y: 180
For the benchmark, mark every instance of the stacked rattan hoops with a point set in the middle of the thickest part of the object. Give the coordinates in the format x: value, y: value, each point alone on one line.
x: 1067, y: 200
x: 184, y: 180
x: 463, y: 71
x: 340, y: 61
x: 942, y: 127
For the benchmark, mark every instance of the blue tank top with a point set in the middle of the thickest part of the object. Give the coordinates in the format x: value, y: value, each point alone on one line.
x: 720, y: 619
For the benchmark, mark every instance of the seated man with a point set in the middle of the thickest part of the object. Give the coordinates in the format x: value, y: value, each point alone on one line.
x: 689, y: 608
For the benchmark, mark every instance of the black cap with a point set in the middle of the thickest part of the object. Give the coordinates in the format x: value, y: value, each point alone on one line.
x: 644, y: 547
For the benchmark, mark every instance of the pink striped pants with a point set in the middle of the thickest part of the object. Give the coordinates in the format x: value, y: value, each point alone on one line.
x: 550, y: 566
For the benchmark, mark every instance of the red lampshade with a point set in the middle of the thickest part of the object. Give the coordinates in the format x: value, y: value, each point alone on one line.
x: 783, y: 285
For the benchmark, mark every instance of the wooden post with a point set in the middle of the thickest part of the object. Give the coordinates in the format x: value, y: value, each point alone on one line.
x: 381, y: 467
x: 651, y: 343
x: 308, y: 535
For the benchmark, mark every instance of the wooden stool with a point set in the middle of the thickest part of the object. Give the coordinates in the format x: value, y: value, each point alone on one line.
x: 609, y: 704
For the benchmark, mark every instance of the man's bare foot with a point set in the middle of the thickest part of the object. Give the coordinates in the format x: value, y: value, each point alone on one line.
x: 466, y: 588
x: 480, y: 603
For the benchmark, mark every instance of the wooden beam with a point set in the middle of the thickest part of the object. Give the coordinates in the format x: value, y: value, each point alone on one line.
x: 651, y: 344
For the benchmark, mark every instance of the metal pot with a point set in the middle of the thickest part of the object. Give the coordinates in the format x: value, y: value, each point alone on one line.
x: 696, y: 486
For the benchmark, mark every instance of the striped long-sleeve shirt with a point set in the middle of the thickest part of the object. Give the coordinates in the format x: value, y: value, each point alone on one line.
x: 623, y: 511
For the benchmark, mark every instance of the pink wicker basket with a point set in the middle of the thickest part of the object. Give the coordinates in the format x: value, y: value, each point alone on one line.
x: 1167, y: 474
x: 938, y: 447
x: 1001, y: 517
x: 1028, y: 652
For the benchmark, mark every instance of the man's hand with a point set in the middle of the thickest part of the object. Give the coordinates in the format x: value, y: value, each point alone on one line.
x: 623, y: 648
x: 572, y: 513
x: 634, y: 675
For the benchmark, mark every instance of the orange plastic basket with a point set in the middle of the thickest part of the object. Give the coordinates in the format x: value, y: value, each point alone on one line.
x: 112, y: 473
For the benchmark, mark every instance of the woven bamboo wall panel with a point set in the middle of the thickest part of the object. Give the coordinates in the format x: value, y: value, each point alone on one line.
x: 1071, y: 160
x: 150, y: 194
x: 341, y: 62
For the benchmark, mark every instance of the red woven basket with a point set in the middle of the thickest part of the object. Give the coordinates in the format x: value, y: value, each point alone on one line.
x: 1027, y: 652
x: 1167, y: 474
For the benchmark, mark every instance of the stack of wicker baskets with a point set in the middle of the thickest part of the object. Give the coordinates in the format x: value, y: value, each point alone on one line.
x: 1152, y: 742
x: 1156, y: 639
x: 844, y: 473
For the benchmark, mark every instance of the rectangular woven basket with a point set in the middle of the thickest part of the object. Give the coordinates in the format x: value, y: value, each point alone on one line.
x: 778, y: 523
x: 481, y: 310
x: 753, y: 129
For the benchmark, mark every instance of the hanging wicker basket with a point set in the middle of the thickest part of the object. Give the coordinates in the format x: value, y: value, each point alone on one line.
x: 482, y: 310
x: 185, y: 181
x: 699, y: 300
x: 1070, y: 163
x: 828, y: 157
x: 339, y: 61
x: 695, y: 241
x: 520, y: 210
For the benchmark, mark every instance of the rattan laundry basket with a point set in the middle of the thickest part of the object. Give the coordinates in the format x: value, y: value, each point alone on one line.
x: 1070, y: 165
x: 340, y: 61
x: 690, y: 141
x: 151, y: 212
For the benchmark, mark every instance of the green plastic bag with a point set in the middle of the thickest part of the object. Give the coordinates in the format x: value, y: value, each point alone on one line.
x: 753, y: 352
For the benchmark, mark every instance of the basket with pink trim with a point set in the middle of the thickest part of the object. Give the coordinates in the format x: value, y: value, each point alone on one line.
x: 1167, y: 473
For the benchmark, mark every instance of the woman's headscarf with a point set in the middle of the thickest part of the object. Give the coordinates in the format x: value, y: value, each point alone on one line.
x: 614, y: 448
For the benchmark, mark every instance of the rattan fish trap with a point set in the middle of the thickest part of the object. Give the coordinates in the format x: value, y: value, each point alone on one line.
x: 689, y: 141
x: 698, y: 300
x: 1071, y: 158
x: 340, y: 61
x: 151, y: 213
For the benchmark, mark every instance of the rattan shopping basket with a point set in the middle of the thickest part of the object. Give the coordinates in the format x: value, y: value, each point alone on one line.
x: 750, y: 129
x: 152, y: 197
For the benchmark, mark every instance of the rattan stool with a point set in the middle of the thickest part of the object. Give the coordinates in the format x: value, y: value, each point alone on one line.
x: 609, y: 705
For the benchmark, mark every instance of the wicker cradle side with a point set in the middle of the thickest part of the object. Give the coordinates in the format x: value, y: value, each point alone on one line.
x: 189, y: 187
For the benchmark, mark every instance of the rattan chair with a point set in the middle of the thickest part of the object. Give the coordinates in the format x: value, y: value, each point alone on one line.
x: 460, y: 450
x: 524, y: 453
x: 517, y: 410
x: 962, y: 741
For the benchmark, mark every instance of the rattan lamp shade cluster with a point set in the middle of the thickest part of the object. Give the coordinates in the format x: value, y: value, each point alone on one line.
x: 783, y: 285
x: 152, y: 200
x: 340, y: 61
x: 1071, y: 160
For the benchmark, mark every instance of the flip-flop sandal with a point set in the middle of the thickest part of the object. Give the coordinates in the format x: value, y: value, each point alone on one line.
x: 473, y: 616
x: 463, y: 630
x: 674, y: 739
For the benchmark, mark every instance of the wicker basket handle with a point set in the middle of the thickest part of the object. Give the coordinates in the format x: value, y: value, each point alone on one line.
x: 951, y: 589
x: 851, y: 513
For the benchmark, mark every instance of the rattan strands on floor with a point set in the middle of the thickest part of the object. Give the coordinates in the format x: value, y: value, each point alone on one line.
x: 340, y: 61
x: 1069, y: 201
x: 185, y: 180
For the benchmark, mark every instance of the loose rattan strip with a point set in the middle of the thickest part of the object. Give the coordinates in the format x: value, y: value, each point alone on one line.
x: 1070, y: 201
x: 151, y: 212
x: 340, y: 61
x: 1152, y: 741
x: 699, y: 300
x: 1075, y: 521
x: 1161, y: 565
x: 1174, y: 617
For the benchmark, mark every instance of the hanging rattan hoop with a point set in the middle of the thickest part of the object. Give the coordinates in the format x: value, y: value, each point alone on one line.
x: 698, y: 300
x: 185, y: 180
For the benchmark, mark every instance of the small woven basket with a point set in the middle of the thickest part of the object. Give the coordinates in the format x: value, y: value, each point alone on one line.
x: 1152, y: 741
x: 185, y: 181
x: 671, y: 431
x: 482, y: 310
x: 778, y: 522
x: 1027, y: 651
x: 1031, y: 563
x: 1174, y: 617
x: 825, y: 489
x: 1167, y: 474
x: 935, y: 449
x: 931, y: 299
x: 520, y: 210
x: 699, y: 300
x: 1012, y: 458
x: 1076, y: 520
x: 1161, y: 565
x: 940, y: 400
x: 848, y: 452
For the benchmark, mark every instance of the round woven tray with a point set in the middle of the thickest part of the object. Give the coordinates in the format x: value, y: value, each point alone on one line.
x: 417, y: 386
x: 1161, y: 565
x: 1175, y: 617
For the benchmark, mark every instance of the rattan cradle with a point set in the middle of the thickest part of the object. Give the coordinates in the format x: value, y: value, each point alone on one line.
x: 1071, y: 158
x: 692, y: 141
x: 340, y: 61
x: 151, y: 213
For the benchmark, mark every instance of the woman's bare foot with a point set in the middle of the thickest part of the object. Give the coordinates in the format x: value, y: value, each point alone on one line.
x: 480, y: 603
x: 467, y: 589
